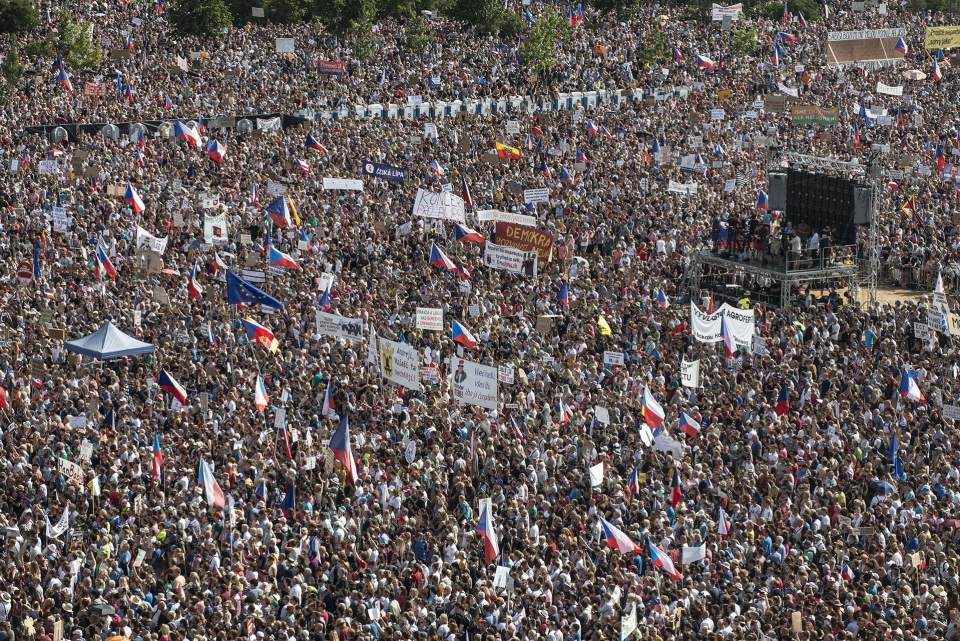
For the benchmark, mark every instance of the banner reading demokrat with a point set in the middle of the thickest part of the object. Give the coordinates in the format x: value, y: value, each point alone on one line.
x: 706, y: 327
x: 474, y: 384
x: 339, y: 326
x: 400, y: 363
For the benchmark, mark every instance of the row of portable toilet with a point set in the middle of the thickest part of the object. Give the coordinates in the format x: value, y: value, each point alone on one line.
x: 513, y: 104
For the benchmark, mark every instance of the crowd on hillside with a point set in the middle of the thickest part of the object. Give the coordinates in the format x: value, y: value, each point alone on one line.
x: 258, y: 475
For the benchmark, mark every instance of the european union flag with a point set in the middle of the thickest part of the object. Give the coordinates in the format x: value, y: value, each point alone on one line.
x: 240, y: 291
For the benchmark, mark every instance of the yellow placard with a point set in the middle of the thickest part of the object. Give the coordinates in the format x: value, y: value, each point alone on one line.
x: 941, y: 38
x: 723, y: 94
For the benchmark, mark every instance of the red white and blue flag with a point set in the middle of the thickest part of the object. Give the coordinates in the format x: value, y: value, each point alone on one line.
x: 462, y: 335
x: 184, y: 132
x: 104, y: 264
x: 486, y: 529
x: 467, y: 235
x: 436, y: 168
x: 909, y: 388
x: 169, y: 384
x: 194, y: 286
x: 211, y: 489
x: 660, y: 559
x: 688, y: 426
x: 704, y: 63
x: 64, y: 79
x: 279, y: 259
x: 440, y: 259
x: 131, y: 196
x: 729, y: 344
x: 157, y: 457
x: 617, y: 539
x: 328, y: 403
x: 311, y: 143
x: 340, y: 445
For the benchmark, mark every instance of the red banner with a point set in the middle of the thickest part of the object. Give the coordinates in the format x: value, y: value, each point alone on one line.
x: 331, y: 68
x: 95, y: 89
x: 528, y: 239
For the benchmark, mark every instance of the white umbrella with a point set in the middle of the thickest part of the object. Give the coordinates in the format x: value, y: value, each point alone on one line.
x: 914, y: 74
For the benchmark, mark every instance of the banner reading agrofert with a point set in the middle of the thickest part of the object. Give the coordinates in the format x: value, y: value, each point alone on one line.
x: 525, y: 239
x: 706, y: 327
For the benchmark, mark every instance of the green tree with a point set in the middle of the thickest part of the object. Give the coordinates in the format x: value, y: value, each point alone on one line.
x: 774, y: 10
x: 539, y: 46
x: 17, y: 16
x: 744, y: 40
x: 417, y: 37
x: 74, y: 41
x: 624, y: 9
x: 488, y: 16
x: 201, y: 18
x: 654, y: 50
x: 11, y: 68
x: 285, y: 11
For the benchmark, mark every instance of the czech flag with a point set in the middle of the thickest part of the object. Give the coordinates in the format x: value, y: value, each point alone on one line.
x: 255, y: 196
x: 279, y: 259
x: 606, y: 134
x: 803, y: 23
x: 302, y: 167
x: 563, y: 412
x: 436, y: 168
x: 157, y: 457
x: 703, y: 62
x: 211, y: 337
x: 261, y: 334
x: 324, y: 303
x: 783, y: 401
x: 216, y: 151
x: 340, y: 445
x: 193, y: 286
x: 909, y: 387
x: 463, y: 336
x: 936, y: 71
x: 139, y: 157
x: 847, y: 573
x: 467, y: 235
x: 689, y: 426
x: 167, y: 104
x: 662, y: 299
x: 545, y: 170
x: 786, y: 13
x: 775, y: 58
x: 591, y: 128
x: 677, y: 494
x: 485, y: 528
x: 729, y: 345
x: 260, y: 398
x: 566, y: 177
x: 723, y: 524
x: 633, y: 483
x: 328, y: 403
x: 279, y: 212
x: 856, y: 134
x: 183, y: 131
x: 618, y: 540
x: 763, y: 201
x: 132, y: 197
x: 563, y: 296
x: 463, y: 272
x: 211, y: 489
x: 465, y: 192
x: 49, y: 295
x: 581, y: 157
x: 440, y: 259
x: 167, y: 382
x: 901, y: 46
x: 313, y: 144
x: 787, y: 37
x: 104, y: 265
x: 64, y: 79
x: 941, y: 159
x: 507, y: 152
x: 652, y: 411
x: 261, y: 491
x: 677, y: 54
x: 660, y: 559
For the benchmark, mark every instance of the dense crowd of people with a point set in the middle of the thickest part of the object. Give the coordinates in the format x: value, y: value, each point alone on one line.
x: 271, y: 481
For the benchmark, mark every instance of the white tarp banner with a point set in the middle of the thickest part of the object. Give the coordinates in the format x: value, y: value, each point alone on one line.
x: 400, y: 363
x: 890, y: 91
x: 510, y: 259
x: 693, y: 553
x: 720, y: 11
x: 474, y: 384
x: 444, y: 206
x: 706, y: 327
x: 268, y: 124
x: 506, y: 217
x: 146, y: 239
x: 339, y: 326
x: 54, y: 531
x: 690, y: 373
x: 215, y: 231
x: 347, y: 184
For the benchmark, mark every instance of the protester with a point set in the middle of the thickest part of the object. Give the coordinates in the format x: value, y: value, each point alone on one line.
x: 256, y: 470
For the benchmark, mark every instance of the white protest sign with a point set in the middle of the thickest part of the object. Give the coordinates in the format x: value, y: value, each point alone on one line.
x: 286, y: 45
x: 690, y: 373
x: 342, y: 183
x: 443, y: 206
x: 612, y: 358
x: 510, y: 259
x: 339, y: 326
x: 430, y: 318
x: 474, y: 384
x: 400, y: 363
x: 505, y: 374
x: 602, y: 414
x: 71, y: 470
x: 541, y: 195
x: 951, y: 412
